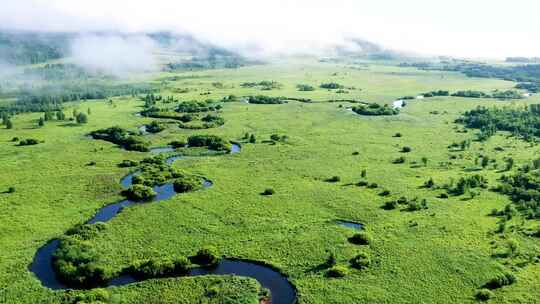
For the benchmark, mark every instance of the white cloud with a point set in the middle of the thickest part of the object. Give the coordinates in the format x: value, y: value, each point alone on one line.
x: 114, y: 54
x: 478, y: 28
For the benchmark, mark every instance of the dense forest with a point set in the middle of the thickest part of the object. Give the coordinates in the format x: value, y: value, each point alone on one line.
x: 523, y: 122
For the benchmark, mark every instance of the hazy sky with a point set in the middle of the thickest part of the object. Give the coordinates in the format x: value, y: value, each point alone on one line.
x: 475, y: 28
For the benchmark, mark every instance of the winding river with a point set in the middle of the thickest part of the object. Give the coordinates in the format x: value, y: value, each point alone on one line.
x: 282, y: 291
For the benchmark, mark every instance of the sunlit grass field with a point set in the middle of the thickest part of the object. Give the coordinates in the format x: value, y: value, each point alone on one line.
x: 439, y: 255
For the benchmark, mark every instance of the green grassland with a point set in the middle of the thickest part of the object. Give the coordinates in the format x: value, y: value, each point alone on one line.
x: 439, y: 255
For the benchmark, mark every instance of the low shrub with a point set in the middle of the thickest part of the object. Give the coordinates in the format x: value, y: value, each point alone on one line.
x: 331, y: 86
x: 28, y: 142
x: 261, y: 99
x: 122, y: 138
x: 160, y: 267
x: 213, y: 142
x: 406, y: 149
x: 362, y: 183
x: 87, y: 231
x: 139, y: 192
x: 361, y: 261
x: 75, y: 264
x: 483, y: 294
x: 399, y: 160
x: 268, y: 191
x: 360, y: 238
x: 305, y: 87
x: 333, y: 179
x: 337, y: 272
x: 330, y: 260
x: 374, y: 109
x: 187, y: 184
x: 177, y: 144
x: 390, y: 205
x: 502, y: 279
x: 384, y: 192
x: 126, y: 163
x: 402, y: 200
x: 94, y: 296
x: 373, y: 186
x: 154, y: 127
x: 414, y: 205
x: 207, y: 256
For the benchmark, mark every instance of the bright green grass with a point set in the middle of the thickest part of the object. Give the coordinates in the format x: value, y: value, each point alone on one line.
x: 439, y: 255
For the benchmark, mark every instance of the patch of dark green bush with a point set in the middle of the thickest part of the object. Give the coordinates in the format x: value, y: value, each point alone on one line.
x: 126, y: 163
x: 361, y: 238
x: 75, y: 263
x: 261, y: 99
x: 268, y: 191
x: 177, y: 144
x: 160, y: 267
x: 187, y: 183
x: 501, y: 280
x: 337, y: 271
x: 483, y: 294
x: 122, y: 138
x: 333, y: 179
x: 139, y: 192
x: 375, y: 109
x: 207, y: 256
x: 305, y: 87
x: 331, y: 86
x: 154, y: 127
x: 361, y: 261
x: 28, y: 142
x: 212, y: 142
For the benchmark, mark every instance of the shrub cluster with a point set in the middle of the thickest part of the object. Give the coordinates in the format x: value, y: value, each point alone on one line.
x: 331, y: 86
x: 361, y: 261
x: 75, y: 263
x: 374, y: 109
x: 122, y: 138
x: 187, y: 183
x: 501, y: 280
x: 213, y: 142
x: 139, y: 192
x: 28, y: 142
x: 160, y: 267
x: 361, y: 238
x: 154, y: 127
x: 207, y: 256
x: 261, y: 99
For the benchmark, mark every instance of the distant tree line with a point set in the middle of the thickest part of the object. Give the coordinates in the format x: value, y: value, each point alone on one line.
x: 523, y: 121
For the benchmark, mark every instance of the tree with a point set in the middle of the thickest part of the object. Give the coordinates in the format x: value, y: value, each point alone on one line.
x: 9, y: 124
x: 331, y: 260
x: 41, y: 122
x: 252, y: 139
x: 509, y: 163
x: 485, y: 161
x: 88, y: 111
x: 363, y: 174
x: 48, y: 116
x: 81, y: 118
x: 75, y: 113
x: 60, y: 115
x: 424, y: 161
